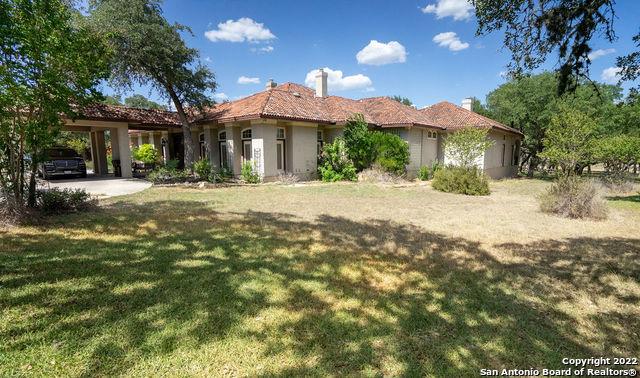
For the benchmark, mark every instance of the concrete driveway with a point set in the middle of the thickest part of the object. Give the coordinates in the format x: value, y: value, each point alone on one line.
x: 103, y: 186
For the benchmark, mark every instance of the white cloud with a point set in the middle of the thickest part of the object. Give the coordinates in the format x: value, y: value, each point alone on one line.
x: 611, y: 75
x: 244, y: 29
x: 220, y: 96
x: 208, y: 59
x: 451, y: 41
x: 248, y: 80
x: 458, y: 9
x: 265, y: 49
x: 336, y: 81
x: 378, y: 53
x: 600, y: 53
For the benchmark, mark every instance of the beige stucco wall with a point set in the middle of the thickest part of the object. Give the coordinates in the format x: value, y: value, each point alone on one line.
x: 332, y: 133
x: 303, y: 151
x: 493, y: 162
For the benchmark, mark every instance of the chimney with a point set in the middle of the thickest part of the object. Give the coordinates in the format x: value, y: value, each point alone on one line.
x: 321, y: 83
x: 467, y: 103
x: 271, y: 84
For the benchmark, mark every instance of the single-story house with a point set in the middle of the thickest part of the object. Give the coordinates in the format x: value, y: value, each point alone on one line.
x: 283, y: 128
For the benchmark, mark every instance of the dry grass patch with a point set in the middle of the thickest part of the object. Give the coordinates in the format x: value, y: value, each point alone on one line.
x: 317, y: 280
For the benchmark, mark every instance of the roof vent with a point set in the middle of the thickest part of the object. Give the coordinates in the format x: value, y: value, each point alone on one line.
x: 271, y: 84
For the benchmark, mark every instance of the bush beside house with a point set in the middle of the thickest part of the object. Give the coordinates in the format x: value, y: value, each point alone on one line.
x: 463, y: 151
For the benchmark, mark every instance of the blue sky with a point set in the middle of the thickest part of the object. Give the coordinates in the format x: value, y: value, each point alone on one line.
x: 426, y: 50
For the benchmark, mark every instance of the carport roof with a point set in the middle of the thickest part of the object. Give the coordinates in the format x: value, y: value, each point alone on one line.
x: 135, y: 117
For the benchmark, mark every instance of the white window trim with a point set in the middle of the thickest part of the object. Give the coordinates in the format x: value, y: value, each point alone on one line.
x: 222, y: 132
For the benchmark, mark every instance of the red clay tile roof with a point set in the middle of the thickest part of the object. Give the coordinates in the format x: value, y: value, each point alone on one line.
x: 455, y: 117
x: 296, y: 102
x: 143, y: 117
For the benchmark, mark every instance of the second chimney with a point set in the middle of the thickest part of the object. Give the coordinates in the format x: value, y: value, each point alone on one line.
x: 271, y: 84
x: 467, y: 103
x: 321, y: 83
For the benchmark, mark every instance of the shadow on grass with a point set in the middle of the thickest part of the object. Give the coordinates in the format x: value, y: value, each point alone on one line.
x: 341, y: 297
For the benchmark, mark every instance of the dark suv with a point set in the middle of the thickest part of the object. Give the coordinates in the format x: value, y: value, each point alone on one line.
x: 62, y: 161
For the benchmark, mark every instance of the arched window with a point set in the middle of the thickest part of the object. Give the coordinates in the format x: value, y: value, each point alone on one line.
x: 246, y: 134
x: 222, y: 135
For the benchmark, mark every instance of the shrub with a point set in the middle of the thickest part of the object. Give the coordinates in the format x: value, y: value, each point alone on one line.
x: 288, y: 178
x: 462, y: 180
x: 58, y: 201
x: 203, y: 169
x: 164, y: 175
x: 249, y: 174
x: 376, y: 174
x: 391, y: 152
x: 424, y: 173
x: 146, y: 153
x: 573, y: 197
x: 335, y: 165
x: 172, y: 164
x: 359, y: 142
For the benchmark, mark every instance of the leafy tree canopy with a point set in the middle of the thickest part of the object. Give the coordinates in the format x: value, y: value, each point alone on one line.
x: 139, y: 101
x: 528, y: 104
x: 50, y: 65
x: 148, y: 50
x: 535, y: 29
x: 402, y: 100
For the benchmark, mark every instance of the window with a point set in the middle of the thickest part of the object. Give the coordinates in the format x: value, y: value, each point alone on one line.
x: 513, y: 154
x: 434, y: 135
x: 224, y: 157
x: 429, y: 134
x: 246, y: 150
x: 222, y: 135
x: 280, y: 133
x: 246, y: 134
x: 203, y: 146
x: 516, y: 156
x: 320, y: 135
x: 504, y: 148
x: 280, y: 155
x: 395, y: 131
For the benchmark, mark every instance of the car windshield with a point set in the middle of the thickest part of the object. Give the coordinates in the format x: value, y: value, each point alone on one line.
x: 61, y: 153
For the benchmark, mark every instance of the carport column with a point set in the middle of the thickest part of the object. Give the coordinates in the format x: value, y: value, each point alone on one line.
x: 124, y: 151
x: 99, y: 153
x: 234, y: 147
x: 165, y: 146
x: 151, y: 139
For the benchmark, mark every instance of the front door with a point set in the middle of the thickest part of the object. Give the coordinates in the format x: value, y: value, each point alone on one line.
x: 280, y: 167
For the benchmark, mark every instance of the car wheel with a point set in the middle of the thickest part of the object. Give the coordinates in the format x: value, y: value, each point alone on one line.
x: 83, y: 175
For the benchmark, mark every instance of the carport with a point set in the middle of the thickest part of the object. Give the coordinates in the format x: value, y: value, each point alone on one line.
x: 118, y: 120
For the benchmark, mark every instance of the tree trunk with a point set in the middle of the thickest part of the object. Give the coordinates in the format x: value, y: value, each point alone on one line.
x: 532, y: 166
x: 187, y: 139
x: 31, y: 200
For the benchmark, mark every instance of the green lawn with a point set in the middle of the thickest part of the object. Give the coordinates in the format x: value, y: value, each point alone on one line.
x: 343, y: 279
